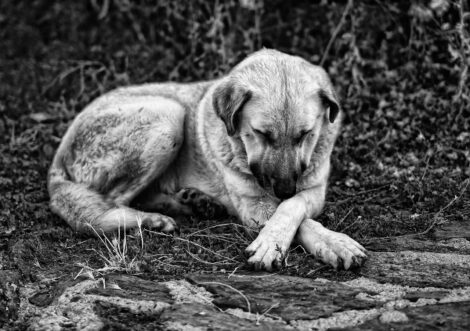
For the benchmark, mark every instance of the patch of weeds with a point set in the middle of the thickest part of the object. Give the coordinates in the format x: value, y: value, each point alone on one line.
x: 118, y: 255
x: 206, y: 244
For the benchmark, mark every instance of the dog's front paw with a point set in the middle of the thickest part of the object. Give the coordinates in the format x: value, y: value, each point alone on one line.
x: 266, y: 252
x: 333, y: 248
x: 264, y: 255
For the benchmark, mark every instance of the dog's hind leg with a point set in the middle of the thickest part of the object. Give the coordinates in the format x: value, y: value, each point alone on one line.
x: 187, y: 201
x: 109, y: 156
x: 87, y: 211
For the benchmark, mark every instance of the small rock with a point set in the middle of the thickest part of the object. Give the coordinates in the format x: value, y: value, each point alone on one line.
x: 40, y: 117
x: 397, y: 304
x: 350, y: 182
x: 393, y: 316
x: 48, y: 150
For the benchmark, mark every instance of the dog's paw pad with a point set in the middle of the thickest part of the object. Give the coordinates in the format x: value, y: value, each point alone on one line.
x: 187, y: 195
x: 201, y: 204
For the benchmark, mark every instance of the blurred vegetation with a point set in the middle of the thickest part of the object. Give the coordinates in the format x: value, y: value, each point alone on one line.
x: 402, y: 163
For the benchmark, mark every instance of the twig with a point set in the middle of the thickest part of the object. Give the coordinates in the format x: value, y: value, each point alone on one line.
x: 207, y: 262
x: 351, y: 196
x: 353, y: 223
x: 426, y: 168
x: 215, y: 237
x: 344, y: 218
x: 248, y: 305
x: 192, y: 243
x: 168, y: 264
x: 300, y: 247
x: 455, y: 198
x: 314, y: 271
x: 218, y: 226
x: 262, y: 276
x: 233, y: 272
x: 347, y: 9
x: 365, y: 191
x: 80, y: 66
x: 258, y: 317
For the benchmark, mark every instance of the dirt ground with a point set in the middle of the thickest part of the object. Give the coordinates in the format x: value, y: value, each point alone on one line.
x: 400, y: 168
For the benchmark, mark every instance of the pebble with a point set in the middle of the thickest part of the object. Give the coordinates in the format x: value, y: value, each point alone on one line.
x: 393, y: 316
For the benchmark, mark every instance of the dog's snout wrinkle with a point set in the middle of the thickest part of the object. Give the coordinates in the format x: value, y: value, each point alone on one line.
x: 295, y: 176
x: 258, y: 174
x: 303, y: 167
x: 255, y: 170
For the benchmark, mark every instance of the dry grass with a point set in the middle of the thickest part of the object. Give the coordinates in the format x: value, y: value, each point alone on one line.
x: 115, y: 251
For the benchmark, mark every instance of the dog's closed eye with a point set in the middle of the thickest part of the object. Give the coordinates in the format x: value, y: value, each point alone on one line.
x: 266, y: 135
x: 301, y: 136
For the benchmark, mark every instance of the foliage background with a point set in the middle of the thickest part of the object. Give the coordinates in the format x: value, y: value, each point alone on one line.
x: 401, y: 165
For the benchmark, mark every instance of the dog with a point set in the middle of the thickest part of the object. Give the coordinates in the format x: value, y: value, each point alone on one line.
x: 255, y: 144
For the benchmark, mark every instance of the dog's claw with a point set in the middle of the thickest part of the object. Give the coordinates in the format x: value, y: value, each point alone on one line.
x: 341, y: 263
x: 357, y: 261
x: 264, y: 255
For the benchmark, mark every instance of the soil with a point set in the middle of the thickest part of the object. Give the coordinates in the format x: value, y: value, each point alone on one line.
x: 399, y: 183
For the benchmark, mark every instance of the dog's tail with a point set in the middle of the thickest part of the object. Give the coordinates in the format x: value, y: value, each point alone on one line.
x: 80, y: 206
x: 83, y: 208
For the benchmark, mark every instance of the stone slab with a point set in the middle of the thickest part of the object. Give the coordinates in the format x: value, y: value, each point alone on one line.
x: 419, y: 269
x: 290, y: 298
x: 449, y: 316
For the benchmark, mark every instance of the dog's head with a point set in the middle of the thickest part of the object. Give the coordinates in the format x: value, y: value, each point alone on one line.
x: 276, y: 106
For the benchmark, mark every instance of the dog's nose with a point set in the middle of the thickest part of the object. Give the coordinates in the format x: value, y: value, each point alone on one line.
x: 284, y: 188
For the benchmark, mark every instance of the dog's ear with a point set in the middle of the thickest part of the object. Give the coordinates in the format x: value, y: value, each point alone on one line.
x: 228, y: 100
x: 330, y: 102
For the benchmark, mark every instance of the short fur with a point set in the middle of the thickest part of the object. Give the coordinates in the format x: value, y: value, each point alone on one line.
x: 256, y: 142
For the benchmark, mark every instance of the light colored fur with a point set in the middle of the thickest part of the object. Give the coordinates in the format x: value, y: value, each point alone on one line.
x: 146, y: 143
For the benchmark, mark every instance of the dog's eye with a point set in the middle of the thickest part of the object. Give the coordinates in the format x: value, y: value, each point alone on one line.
x: 267, y: 135
x: 301, y: 136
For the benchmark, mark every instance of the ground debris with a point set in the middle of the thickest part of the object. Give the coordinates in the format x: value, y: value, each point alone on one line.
x: 9, y: 296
